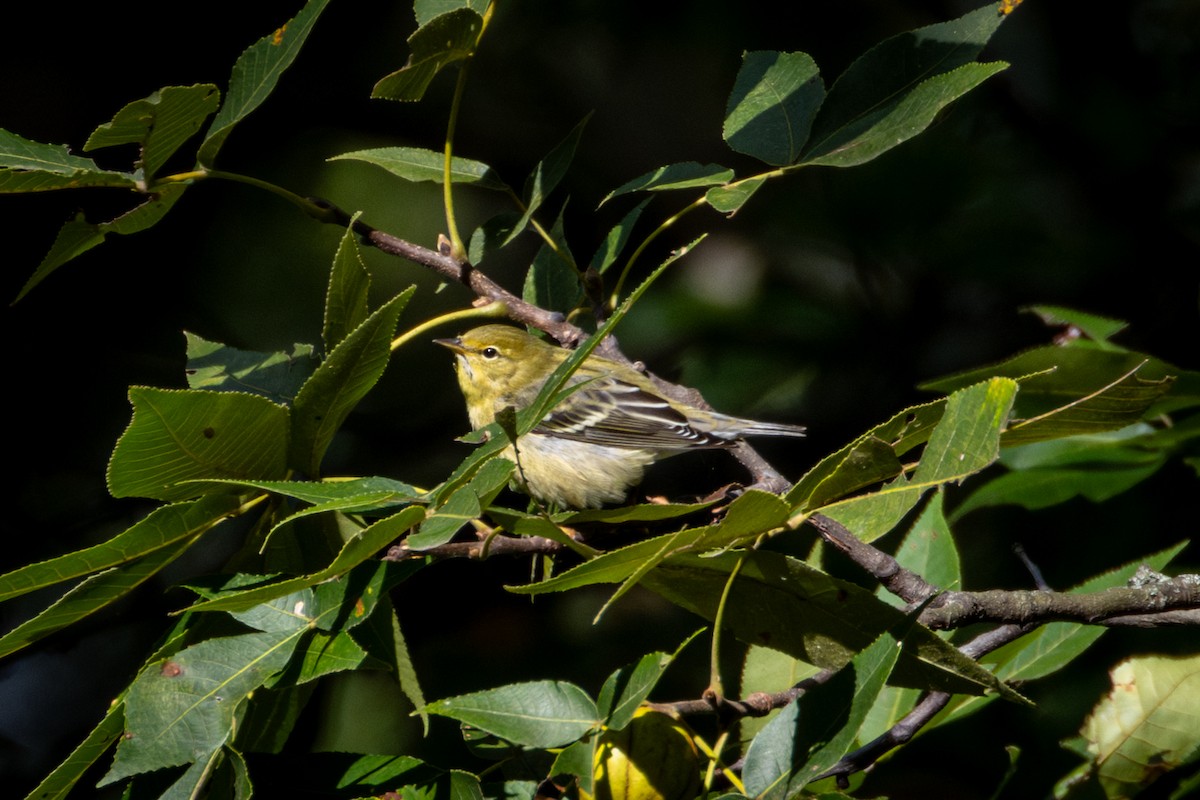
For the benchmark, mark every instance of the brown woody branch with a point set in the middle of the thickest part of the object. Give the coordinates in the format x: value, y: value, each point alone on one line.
x: 1150, y: 600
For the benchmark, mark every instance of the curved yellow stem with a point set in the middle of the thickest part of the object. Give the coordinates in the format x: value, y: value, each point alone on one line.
x: 493, y: 309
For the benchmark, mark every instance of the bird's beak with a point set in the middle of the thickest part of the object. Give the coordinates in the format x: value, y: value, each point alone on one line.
x: 454, y: 344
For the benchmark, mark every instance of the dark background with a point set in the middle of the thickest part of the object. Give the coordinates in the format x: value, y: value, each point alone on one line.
x: 1072, y: 178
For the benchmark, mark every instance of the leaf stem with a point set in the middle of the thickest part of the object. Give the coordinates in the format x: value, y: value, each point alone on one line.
x: 662, y: 227
x: 458, y: 250
x: 493, y: 309
x: 714, y: 678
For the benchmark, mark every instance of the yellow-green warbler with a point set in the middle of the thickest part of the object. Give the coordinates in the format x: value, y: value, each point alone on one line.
x: 595, y: 445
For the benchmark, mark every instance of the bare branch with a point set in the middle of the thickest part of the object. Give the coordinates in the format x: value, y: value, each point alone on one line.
x: 904, y: 583
x: 956, y: 609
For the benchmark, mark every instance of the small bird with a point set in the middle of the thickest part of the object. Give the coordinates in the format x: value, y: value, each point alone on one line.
x: 596, y: 444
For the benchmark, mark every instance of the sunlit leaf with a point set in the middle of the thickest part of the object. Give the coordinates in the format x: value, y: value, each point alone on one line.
x: 418, y: 164
x: 893, y: 91
x: 772, y: 105
x: 183, y: 708
x: 535, y: 714
x: 686, y: 175
x: 346, y: 306
x: 367, y: 543
x: 1095, y: 327
x: 255, y: 75
x: 625, y: 690
x: 158, y: 124
x: 342, y: 379
x: 1094, y: 466
x: 730, y: 198
x: 966, y: 439
x: 1052, y: 377
x: 276, y: 376
x: 1148, y: 724
x: 441, y: 40
x: 178, y: 436
x: 29, y: 166
x: 869, y: 459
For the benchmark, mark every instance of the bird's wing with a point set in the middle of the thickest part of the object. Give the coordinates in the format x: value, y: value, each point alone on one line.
x: 613, y: 412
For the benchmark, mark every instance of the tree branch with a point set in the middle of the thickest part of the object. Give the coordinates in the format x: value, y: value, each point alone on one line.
x: 1179, y: 596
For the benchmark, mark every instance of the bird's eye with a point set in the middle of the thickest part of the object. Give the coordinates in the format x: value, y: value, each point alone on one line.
x: 490, y: 352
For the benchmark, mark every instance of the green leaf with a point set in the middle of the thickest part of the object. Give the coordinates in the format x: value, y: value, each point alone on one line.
x: 626, y: 689
x: 346, y: 305
x: 29, y: 166
x: 367, y: 543
x: 162, y: 528
x: 336, y: 387
x: 811, y: 734
x: 319, y: 655
x: 730, y: 198
x: 357, y: 494
x: 616, y: 239
x: 419, y: 164
x: 439, y: 42
x: 1119, y: 388
x: 158, y: 124
x: 646, y: 512
x: 546, y: 176
x: 870, y: 458
x: 463, y: 505
x: 1094, y: 466
x: 536, y: 714
x: 780, y: 602
x: 754, y: 513
x: 771, y: 108
x: 187, y: 435
x: 769, y: 671
x: 182, y: 709
x: 491, y: 235
x: 1115, y: 405
x: 893, y: 91
x: 255, y: 75
x: 686, y: 175
x: 380, y: 771
x: 966, y: 440
x: 59, y: 783
x: 382, y: 637
x: 425, y: 10
x: 1095, y: 327
x: 552, y: 281
x: 878, y: 131
x: 90, y: 595
x: 276, y: 376
x: 78, y: 236
x: 928, y: 550
x: 1148, y: 723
